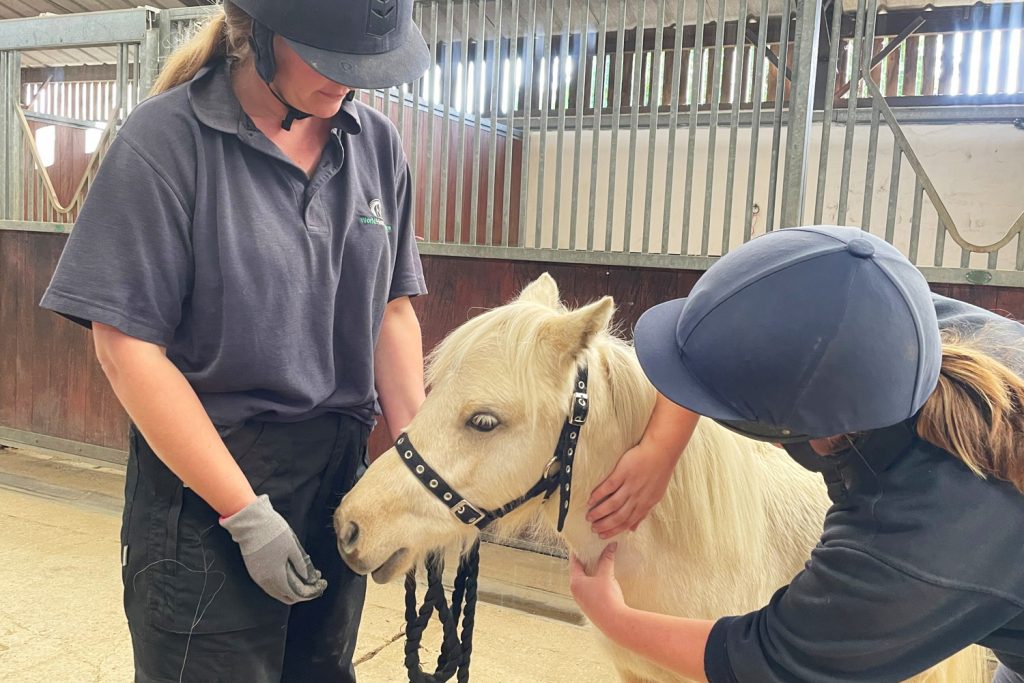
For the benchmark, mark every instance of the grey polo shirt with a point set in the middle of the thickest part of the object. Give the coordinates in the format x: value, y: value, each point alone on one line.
x: 919, y: 558
x: 267, y: 287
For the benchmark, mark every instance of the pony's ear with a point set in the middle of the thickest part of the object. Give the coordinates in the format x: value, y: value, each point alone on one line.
x: 572, y: 332
x: 542, y: 291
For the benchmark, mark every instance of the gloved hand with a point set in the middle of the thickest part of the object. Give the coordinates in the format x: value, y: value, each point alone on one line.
x: 273, y: 555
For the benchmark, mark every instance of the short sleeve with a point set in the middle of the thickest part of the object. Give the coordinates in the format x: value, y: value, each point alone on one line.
x: 851, y: 617
x: 128, y: 261
x: 407, y: 277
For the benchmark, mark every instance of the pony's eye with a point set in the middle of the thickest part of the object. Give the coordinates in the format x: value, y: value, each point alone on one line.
x: 483, y: 422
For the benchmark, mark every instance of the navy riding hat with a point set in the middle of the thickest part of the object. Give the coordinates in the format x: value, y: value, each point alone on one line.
x: 358, y: 43
x: 802, y: 333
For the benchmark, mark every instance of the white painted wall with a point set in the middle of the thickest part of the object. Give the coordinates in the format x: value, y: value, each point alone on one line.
x: 977, y: 169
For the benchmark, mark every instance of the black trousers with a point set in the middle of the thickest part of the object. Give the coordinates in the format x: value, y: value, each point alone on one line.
x: 193, y: 612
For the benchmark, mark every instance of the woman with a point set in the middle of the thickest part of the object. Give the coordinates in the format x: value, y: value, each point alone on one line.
x: 246, y: 259
x: 827, y: 341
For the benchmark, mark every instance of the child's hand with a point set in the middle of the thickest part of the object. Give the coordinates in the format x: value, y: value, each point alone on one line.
x: 599, y: 595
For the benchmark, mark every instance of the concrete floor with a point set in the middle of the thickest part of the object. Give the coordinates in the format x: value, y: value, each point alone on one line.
x: 60, y: 593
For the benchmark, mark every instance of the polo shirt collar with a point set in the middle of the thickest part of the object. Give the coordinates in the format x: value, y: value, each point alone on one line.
x: 215, y: 105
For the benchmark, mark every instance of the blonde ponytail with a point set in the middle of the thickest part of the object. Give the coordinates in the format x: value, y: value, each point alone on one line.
x: 225, y: 34
x: 977, y: 413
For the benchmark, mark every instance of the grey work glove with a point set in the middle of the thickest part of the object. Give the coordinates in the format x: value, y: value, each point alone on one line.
x: 273, y: 555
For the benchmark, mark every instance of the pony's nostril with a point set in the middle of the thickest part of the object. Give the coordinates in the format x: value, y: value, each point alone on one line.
x: 350, y: 536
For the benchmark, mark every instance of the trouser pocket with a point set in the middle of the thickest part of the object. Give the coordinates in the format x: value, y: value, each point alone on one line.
x: 184, y: 573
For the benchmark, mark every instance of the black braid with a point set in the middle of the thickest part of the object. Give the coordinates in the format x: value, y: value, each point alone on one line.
x: 469, y: 570
x: 455, y: 652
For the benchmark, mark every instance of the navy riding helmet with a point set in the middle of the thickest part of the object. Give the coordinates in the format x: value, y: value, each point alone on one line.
x: 359, y: 43
x: 802, y: 333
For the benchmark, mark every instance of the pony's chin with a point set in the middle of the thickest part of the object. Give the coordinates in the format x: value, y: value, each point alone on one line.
x: 391, y: 567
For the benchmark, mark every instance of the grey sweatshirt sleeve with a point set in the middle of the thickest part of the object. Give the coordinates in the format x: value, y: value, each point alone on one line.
x: 851, y: 617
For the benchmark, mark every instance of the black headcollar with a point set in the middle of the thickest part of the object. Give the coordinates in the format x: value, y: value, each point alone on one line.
x: 557, y: 474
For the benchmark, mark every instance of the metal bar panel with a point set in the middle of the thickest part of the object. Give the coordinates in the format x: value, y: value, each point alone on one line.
x: 856, y: 48
x: 716, y: 96
x: 479, y: 102
x: 510, y: 87
x: 737, y: 102
x: 915, y: 221
x: 530, y: 48
x: 431, y: 118
x: 695, y: 98
x: 940, y: 242
x: 464, y: 104
x: 894, y: 192
x: 488, y: 99
x: 617, y: 117
x: 829, y: 104
x: 563, y: 59
x: 801, y: 107
x: 780, y: 96
x: 11, y: 158
x: 599, y: 94
x: 869, y: 170
x: 447, y: 88
x: 1020, y: 250
x: 652, y: 138
x: 545, y: 96
x: 583, y: 71
x: 69, y: 30
x: 756, y: 97
x: 636, y: 93
x: 673, y: 119
x: 494, y: 111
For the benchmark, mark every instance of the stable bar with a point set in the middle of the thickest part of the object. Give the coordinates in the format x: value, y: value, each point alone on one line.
x: 737, y: 102
x: 869, y: 168
x: 582, y: 70
x: 856, y: 50
x: 617, y: 117
x: 69, y: 30
x: 431, y: 116
x: 598, y: 90
x: 780, y: 96
x: 530, y: 48
x: 677, y: 64
x: 894, y: 188
x: 545, y: 96
x: 447, y: 88
x: 915, y: 221
x: 493, y: 111
x: 801, y: 107
x: 716, y: 96
x: 513, y: 97
x: 479, y: 104
x: 636, y: 93
x: 563, y: 59
x: 695, y: 94
x: 756, y: 97
x: 464, y: 104
x: 652, y: 136
x: 829, y: 104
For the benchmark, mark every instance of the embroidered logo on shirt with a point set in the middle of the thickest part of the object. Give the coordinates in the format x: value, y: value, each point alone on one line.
x: 376, y: 216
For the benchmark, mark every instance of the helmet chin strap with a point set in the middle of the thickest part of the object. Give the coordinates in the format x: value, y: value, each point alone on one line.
x: 262, y: 43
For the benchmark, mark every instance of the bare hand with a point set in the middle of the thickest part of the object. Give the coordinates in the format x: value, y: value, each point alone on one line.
x: 634, y: 487
x: 598, y: 595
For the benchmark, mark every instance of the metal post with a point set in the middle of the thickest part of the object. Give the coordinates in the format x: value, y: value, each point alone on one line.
x: 11, y: 158
x: 801, y: 107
